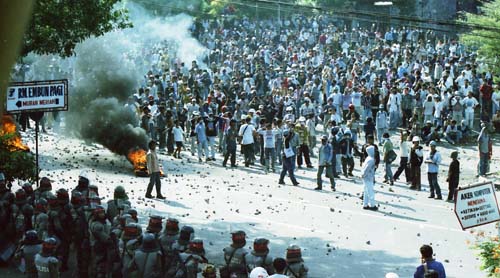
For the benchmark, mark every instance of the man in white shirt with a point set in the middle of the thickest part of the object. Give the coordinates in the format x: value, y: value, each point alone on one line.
x: 404, y: 153
x: 246, y: 134
x: 432, y: 159
x: 470, y: 104
x: 154, y: 171
x: 269, y: 135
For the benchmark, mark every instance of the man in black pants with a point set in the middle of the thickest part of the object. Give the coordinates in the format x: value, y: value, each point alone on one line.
x: 404, y: 152
x: 230, y: 136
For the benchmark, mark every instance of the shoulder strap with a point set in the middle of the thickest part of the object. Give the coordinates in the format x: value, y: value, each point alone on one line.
x: 293, y: 272
x: 230, y: 257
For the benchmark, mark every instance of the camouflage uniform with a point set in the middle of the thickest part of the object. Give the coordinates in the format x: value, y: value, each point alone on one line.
x: 296, y: 267
x: 259, y: 256
x: 234, y: 256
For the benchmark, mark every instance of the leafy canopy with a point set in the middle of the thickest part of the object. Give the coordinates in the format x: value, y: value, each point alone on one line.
x: 485, y: 40
x: 58, y: 25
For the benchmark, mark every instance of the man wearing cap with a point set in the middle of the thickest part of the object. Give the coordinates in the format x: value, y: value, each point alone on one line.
x: 432, y: 159
x: 154, y: 171
x: 325, y: 162
x: 416, y: 159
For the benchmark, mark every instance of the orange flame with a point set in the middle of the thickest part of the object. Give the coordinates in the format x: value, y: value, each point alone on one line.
x: 9, y: 127
x: 138, y: 158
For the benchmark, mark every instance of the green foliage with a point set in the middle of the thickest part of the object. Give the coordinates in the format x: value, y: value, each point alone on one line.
x: 58, y: 25
x: 16, y: 164
x: 485, y: 40
x: 489, y: 253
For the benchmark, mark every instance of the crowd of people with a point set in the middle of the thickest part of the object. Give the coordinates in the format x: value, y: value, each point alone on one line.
x: 287, y: 91
x: 278, y: 87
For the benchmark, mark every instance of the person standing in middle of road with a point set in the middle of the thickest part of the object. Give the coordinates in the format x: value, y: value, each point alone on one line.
x: 154, y: 171
x: 416, y: 159
x: 404, y: 152
x: 432, y: 159
x: 368, y: 176
x: 246, y: 133
x: 325, y: 158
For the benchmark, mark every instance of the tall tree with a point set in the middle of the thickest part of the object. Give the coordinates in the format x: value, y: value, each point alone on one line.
x: 58, y: 25
x: 485, y: 33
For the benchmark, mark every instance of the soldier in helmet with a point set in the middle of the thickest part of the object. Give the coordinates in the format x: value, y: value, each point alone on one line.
x: 155, y: 225
x: 61, y: 225
x: 234, y: 256
x: 40, y: 218
x: 209, y: 271
x: 6, y: 202
x: 83, y: 185
x: 260, y: 256
x: 47, y: 265
x: 81, y: 237
x: 188, y: 263
x: 30, y: 246
x: 100, y: 241
x: 147, y: 260
x: 120, y: 198
x: 44, y: 188
x: 133, y: 214
x: 129, y: 243
x: 296, y: 267
x: 168, y: 238
x: 30, y: 194
x: 186, y: 235
x: 22, y: 214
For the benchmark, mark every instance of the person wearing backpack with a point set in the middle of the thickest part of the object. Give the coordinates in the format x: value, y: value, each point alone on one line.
x: 188, y: 262
x: 428, y: 264
x: 147, y: 260
x: 234, y: 257
x: 296, y: 267
x: 259, y: 256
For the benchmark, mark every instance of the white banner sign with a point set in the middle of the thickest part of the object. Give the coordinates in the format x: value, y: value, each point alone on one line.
x: 37, y: 96
x: 477, y: 205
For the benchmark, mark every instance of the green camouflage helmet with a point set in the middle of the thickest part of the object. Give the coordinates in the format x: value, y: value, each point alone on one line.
x: 120, y: 193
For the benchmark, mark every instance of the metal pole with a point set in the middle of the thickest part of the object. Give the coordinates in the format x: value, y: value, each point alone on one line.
x: 36, y: 153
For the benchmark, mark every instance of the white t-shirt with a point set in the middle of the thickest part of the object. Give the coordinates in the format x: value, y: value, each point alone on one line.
x: 178, y: 134
x: 247, y: 135
x: 269, y: 137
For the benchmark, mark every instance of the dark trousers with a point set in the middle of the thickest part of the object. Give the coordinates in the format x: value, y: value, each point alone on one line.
x: 452, y: 186
x: 403, y: 166
x: 162, y: 133
x: 232, y: 154
x: 288, y: 167
x: 406, y: 116
x: 329, y: 174
x: 433, y: 184
x: 154, y: 179
x: 82, y: 258
x: 347, y: 165
x: 303, y: 150
x: 415, y: 177
x: 247, y: 151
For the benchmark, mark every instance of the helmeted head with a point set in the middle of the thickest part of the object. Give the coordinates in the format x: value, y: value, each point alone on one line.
x: 120, y: 193
x: 31, y: 238
x: 62, y: 196
x: 99, y: 213
x: 77, y: 199
x: 209, y: 271
x: 45, y: 184
x: 293, y: 254
x: 131, y: 231
x: 49, y: 246
x: 83, y: 179
x: 149, y: 243
x: 260, y: 247
x: 186, y: 235
x: 41, y: 205
x: 172, y: 226
x: 28, y: 188
x: 21, y: 197
x: 155, y: 224
x: 238, y: 239
x: 258, y: 272
x: 195, y: 246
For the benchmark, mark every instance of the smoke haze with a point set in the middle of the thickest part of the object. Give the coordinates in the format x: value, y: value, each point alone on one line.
x: 107, y: 70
